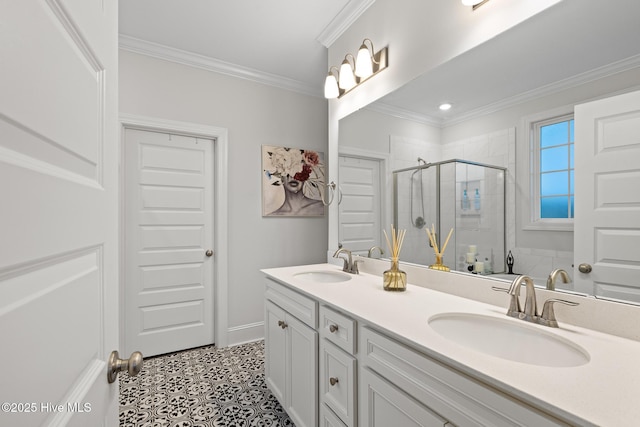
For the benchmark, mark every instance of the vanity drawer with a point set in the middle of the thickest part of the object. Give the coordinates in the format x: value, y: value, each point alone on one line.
x: 303, y: 308
x: 328, y: 418
x: 338, y: 328
x: 459, y: 398
x: 338, y: 382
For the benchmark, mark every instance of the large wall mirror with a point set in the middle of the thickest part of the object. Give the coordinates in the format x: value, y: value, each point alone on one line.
x: 501, y: 90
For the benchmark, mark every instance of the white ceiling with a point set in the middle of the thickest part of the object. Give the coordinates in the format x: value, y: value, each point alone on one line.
x: 283, y: 38
x: 570, y: 43
x: 573, y: 41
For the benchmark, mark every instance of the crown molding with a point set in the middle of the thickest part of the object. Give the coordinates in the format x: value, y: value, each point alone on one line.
x: 401, y: 113
x: 559, y: 86
x: 343, y: 20
x: 191, y: 59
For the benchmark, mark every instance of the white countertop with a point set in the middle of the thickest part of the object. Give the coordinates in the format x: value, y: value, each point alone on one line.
x: 605, y: 391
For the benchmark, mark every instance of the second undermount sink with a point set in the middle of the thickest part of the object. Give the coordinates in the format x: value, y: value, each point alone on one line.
x: 324, y: 276
x: 508, y: 339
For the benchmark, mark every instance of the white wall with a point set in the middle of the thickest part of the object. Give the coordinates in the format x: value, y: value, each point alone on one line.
x: 254, y: 115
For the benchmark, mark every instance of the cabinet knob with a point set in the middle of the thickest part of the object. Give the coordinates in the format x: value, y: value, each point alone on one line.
x: 333, y: 381
x: 333, y: 328
x: 282, y: 324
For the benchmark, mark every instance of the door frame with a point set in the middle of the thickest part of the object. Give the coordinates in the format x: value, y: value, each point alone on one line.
x: 220, y: 225
x: 386, y: 188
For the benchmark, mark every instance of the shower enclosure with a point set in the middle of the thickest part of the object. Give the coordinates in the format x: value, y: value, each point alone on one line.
x: 466, y: 196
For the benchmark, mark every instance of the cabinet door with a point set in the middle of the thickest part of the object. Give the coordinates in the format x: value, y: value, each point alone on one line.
x: 338, y: 382
x: 383, y: 405
x: 302, y: 380
x: 275, y: 363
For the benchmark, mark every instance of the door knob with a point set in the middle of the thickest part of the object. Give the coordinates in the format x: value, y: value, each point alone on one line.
x: 585, y: 268
x: 209, y: 252
x: 133, y: 365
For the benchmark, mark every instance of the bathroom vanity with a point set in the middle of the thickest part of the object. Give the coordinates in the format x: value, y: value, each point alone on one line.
x: 340, y: 351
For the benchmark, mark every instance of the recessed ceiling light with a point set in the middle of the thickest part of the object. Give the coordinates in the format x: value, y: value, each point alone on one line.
x: 445, y: 106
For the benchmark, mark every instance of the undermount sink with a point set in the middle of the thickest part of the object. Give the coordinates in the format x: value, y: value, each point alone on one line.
x: 508, y: 339
x: 324, y: 276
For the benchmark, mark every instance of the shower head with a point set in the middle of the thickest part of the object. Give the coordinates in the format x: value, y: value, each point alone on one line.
x: 420, y: 159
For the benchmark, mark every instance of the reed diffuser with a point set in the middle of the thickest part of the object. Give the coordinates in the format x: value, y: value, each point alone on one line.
x: 394, y: 278
x: 439, y: 253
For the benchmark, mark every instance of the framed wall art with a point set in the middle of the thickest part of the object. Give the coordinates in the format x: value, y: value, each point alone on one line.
x: 293, y: 182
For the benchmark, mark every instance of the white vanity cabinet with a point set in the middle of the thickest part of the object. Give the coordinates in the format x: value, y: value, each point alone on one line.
x: 291, y: 352
x: 427, y: 393
x: 333, y: 361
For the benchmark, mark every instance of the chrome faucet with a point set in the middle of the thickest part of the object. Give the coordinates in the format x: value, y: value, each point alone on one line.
x: 530, y: 313
x: 373, y: 248
x: 349, y: 265
x: 551, y: 280
x: 530, y: 306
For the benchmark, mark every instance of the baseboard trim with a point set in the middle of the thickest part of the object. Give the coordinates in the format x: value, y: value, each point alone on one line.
x: 245, y: 333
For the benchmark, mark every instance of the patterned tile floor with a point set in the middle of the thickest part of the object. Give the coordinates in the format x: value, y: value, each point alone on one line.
x: 203, y: 387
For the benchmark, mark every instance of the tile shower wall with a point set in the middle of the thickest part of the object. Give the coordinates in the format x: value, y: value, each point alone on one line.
x: 404, y: 154
x: 498, y: 149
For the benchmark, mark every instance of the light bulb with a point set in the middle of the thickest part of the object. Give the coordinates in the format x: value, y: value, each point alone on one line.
x: 331, y: 87
x: 364, y: 66
x: 347, y: 79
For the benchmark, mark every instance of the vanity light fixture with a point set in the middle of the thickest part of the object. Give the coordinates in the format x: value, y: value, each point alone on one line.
x: 355, y: 71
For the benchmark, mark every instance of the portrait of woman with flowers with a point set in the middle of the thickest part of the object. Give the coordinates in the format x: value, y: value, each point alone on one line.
x: 293, y: 182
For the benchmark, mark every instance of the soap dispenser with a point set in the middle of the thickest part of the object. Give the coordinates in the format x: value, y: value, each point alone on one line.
x: 476, y: 200
x: 465, y: 201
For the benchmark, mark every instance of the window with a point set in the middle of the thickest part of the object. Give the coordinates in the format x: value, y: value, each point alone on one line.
x: 553, y: 170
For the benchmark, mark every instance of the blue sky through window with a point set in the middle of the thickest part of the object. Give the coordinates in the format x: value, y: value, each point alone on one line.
x: 556, y: 169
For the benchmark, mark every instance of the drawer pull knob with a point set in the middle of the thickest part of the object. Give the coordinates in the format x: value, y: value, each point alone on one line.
x: 282, y: 324
x: 333, y: 381
x: 333, y: 328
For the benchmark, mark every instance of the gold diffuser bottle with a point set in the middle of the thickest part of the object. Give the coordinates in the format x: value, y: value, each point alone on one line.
x: 438, y: 253
x: 395, y: 279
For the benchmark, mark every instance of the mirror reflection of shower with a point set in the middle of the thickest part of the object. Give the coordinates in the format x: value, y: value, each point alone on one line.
x: 418, y: 221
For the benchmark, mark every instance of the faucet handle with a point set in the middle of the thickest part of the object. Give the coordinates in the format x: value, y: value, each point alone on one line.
x: 548, y: 317
x: 514, y: 305
x: 355, y: 266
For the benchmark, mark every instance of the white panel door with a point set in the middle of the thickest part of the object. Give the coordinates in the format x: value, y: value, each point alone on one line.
x: 59, y: 216
x: 169, y: 229
x: 607, y: 210
x: 359, y: 210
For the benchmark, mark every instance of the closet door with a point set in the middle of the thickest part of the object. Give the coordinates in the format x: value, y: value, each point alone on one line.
x: 169, y: 296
